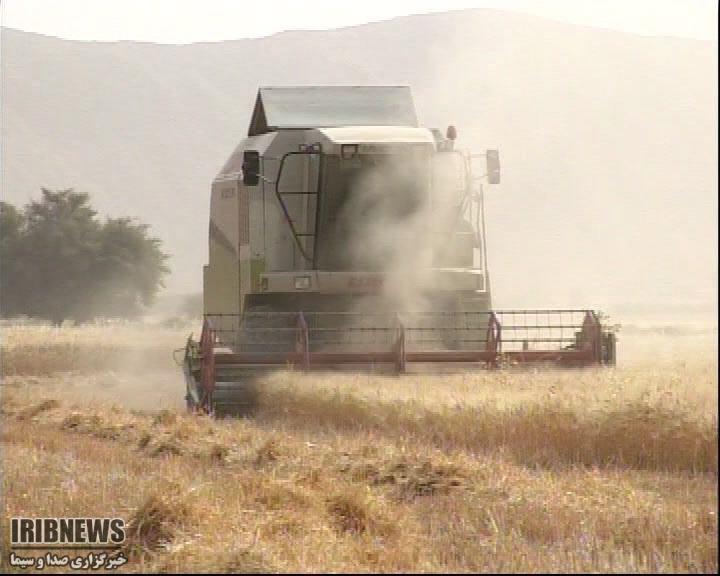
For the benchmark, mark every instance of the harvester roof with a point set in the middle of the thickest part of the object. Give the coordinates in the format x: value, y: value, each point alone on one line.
x: 328, y: 106
x: 377, y: 134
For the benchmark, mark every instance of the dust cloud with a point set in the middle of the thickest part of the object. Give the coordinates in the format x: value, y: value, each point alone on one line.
x: 400, y: 214
x: 133, y: 364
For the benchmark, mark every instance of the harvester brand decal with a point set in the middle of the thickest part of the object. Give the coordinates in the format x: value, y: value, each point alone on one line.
x: 365, y: 282
x: 97, y: 534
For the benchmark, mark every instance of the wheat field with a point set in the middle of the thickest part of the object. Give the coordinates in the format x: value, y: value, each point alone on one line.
x: 610, y: 470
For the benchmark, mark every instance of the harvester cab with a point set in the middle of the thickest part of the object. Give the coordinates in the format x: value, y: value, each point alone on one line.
x: 345, y: 235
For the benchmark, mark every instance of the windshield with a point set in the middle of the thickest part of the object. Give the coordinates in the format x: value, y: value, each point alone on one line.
x: 368, y: 203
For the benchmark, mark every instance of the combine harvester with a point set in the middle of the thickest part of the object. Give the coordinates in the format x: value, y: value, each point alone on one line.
x: 343, y: 235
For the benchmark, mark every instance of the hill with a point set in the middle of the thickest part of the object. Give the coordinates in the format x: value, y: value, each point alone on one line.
x: 608, y: 140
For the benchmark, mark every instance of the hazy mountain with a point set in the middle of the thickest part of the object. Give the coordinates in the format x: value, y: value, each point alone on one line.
x: 608, y: 140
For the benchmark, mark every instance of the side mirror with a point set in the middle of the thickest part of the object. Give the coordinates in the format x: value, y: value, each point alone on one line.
x: 251, y: 168
x: 493, y: 166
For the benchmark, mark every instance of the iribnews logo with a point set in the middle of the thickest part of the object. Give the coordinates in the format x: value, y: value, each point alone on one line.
x: 67, y: 533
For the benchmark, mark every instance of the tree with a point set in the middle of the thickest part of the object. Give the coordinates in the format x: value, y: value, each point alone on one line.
x: 60, y: 261
x: 129, y: 269
x: 12, y: 223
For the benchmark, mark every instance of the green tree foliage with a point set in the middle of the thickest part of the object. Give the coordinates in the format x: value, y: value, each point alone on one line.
x: 58, y: 261
x: 12, y: 225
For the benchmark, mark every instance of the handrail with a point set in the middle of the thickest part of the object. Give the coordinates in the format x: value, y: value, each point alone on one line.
x: 278, y: 195
x: 302, y: 343
x: 399, y: 347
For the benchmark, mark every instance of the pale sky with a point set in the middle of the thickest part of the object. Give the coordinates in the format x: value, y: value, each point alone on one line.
x: 184, y: 21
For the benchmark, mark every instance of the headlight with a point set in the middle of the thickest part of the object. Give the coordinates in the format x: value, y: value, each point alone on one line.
x: 302, y: 282
x: 347, y: 151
